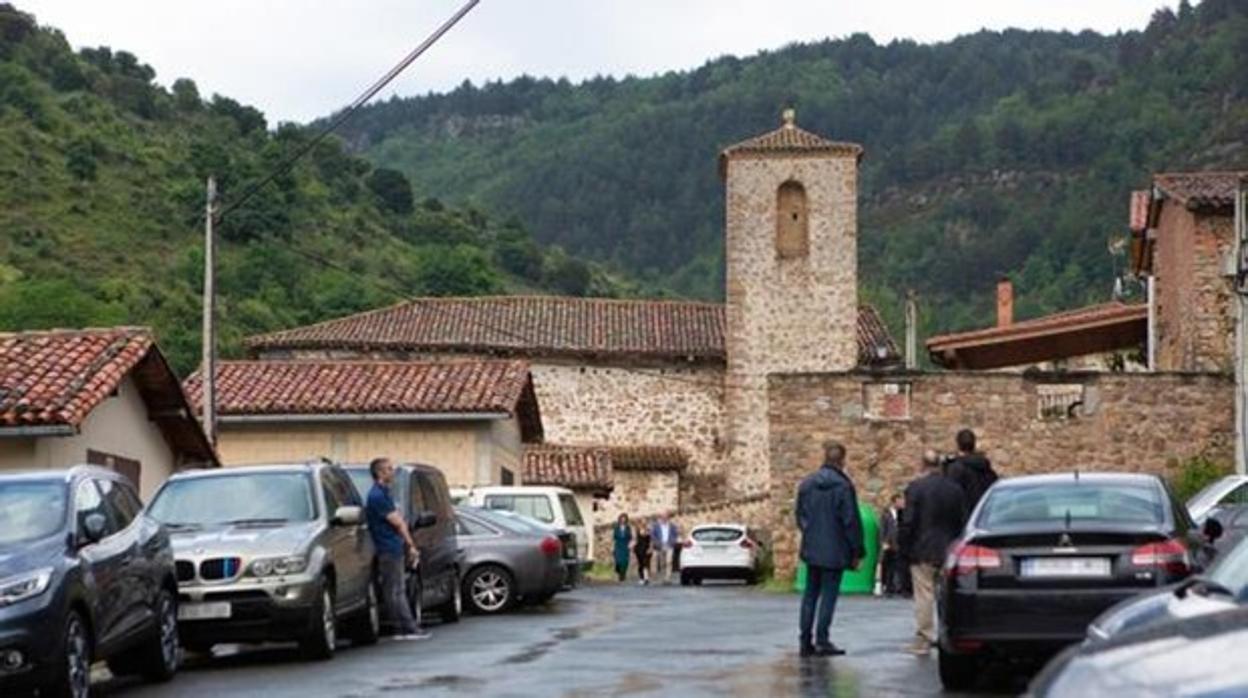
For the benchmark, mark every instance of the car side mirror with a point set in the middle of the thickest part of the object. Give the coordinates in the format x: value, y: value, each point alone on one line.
x: 93, y: 528
x: 424, y: 521
x: 347, y: 516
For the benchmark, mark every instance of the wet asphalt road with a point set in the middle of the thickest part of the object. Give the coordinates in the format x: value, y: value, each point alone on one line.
x: 601, y: 640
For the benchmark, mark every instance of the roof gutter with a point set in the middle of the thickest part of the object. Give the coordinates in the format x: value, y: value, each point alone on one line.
x: 349, y: 417
x: 39, y: 430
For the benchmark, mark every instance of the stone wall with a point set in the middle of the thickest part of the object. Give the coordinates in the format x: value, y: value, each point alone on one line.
x: 748, y: 509
x: 1128, y: 422
x: 1195, y: 301
x: 640, y: 493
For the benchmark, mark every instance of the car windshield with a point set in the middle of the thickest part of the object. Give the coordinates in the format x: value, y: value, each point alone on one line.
x: 1051, y: 502
x: 571, y: 511
x: 716, y: 535
x: 1231, y: 571
x: 242, y: 498
x: 30, y: 510
x: 513, y: 523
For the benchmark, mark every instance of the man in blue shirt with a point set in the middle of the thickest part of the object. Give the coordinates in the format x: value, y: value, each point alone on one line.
x: 395, y: 548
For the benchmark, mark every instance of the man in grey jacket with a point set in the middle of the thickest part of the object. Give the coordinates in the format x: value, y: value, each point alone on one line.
x: 827, y: 515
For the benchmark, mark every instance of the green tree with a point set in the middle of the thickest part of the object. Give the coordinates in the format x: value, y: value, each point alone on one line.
x: 392, y: 190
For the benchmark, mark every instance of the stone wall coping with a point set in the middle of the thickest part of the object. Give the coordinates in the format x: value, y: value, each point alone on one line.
x: 1027, y: 376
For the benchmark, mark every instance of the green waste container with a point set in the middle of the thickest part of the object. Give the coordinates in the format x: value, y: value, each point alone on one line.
x: 861, y: 581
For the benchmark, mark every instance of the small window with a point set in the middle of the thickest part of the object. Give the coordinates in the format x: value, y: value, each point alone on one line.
x: 506, y: 477
x: 792, y: 221
x: 886, y: 401
x: 1058, y: 402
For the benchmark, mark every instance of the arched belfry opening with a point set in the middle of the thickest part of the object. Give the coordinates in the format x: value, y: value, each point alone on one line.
x: 792, y: 221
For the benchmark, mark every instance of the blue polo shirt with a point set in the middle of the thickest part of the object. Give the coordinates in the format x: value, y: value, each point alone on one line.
x: 385, y: 538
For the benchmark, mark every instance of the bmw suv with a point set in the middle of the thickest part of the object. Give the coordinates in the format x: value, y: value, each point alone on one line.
x: 84, y: 575
x: 270, y: 553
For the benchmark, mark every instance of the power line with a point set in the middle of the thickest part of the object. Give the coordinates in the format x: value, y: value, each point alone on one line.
x: 342, y: 117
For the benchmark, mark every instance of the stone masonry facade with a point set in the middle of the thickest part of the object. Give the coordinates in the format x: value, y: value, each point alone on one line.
x: 1126, y: 422
x: 1195, y: 300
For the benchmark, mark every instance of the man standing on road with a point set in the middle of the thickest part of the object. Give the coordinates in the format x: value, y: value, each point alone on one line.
x: 933, y: 517
x: 890, y: 579
x: 665, y: 537
x: 971, y: 470
x: 827, y: 515
x: 396, y: 551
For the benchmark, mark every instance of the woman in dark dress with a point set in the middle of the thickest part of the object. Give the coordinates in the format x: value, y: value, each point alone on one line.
x: 622, y: 537
x: 641, y: 548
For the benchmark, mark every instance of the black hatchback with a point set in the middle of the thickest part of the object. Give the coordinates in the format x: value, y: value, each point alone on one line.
x: 1044, y: 555
x: 84, y: 575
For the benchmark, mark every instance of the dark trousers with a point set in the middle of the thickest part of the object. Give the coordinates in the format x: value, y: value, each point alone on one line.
x: 890, y: 573
x: 823, y: 585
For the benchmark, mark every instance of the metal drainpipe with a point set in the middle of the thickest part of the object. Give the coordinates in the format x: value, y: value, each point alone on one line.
x: 1241, y: 333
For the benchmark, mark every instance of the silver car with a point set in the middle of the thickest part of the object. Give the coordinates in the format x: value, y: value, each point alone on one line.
x: 507, y: 560
x: 270, y: 553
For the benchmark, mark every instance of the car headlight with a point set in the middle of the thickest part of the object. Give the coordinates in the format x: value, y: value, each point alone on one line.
x: 24, y: 586
x: 278, y: 566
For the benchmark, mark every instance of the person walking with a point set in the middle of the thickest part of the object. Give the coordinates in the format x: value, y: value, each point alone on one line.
x: 396, y: 552
x: 831, y: 528
x: 970, y: 469
x: 666, y: 536
x: 641, y: 549
x: 890, y: 580
x: 933, y: 517
x: 622, y: 539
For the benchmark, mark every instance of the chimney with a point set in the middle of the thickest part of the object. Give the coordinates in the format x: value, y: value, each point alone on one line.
x: 1005, y: 303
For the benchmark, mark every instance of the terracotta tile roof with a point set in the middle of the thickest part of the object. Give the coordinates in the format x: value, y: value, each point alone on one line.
x: 1203, y: 191
x: 649, y: 458
x: 1092, y: 329
x: 310, y: 388
x: 58, y: 377
x: 790, y: 139
x: 536, y: 326
x: 575, y: 467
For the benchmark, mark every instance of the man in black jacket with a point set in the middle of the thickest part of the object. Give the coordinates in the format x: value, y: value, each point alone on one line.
x: 971, y: 470
x: 932, y: 519
x: 827, y: 515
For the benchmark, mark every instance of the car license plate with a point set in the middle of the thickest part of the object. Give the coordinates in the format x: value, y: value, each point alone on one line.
x: 204, y: 611
x: 1066, y: 567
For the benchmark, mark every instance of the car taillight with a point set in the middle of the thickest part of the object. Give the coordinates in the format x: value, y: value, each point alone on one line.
x: 968, y: 558
x: 551, y: 546
x: 1170, y: 555
x: 747, y: 544
x: 687, y: 544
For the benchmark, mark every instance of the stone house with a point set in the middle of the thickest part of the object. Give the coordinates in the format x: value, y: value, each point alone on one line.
x: 99, y: 396
x: 470, y: 418
x: 748, y: 389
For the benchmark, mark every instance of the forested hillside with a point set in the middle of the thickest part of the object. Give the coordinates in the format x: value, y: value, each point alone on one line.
x: 102, y: 175
x: 996, y: 153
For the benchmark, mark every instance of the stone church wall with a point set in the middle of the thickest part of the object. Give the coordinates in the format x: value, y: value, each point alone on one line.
x: 1027, y: 424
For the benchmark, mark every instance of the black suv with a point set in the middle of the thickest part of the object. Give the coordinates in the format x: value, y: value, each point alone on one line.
x: 84, y: 575
x: 420, y: 493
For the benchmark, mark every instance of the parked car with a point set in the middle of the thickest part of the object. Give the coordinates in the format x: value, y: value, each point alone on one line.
x: 1234, y: 520
x: 85, y: 575
x: 420, y: 493
x: 270, y: 553
x: 1229, y: 490
x: 719, y: 551
x: 1223, y: 588
x: 1198, y: 656
x: 506, y: 561
x: 554, y: 506
x: 1043, y: 555
x: 572, y: 569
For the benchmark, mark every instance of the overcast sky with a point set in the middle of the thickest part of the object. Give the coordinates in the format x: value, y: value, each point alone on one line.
x: 301, y: 59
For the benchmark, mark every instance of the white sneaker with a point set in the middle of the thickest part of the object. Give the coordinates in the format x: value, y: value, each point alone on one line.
x: 409, y: 637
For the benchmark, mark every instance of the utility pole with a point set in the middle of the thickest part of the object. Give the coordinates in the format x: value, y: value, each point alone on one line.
x: 208, y: 369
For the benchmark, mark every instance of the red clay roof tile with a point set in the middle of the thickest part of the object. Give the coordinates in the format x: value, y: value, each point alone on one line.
x: 1205, y: 191
x: 575, y: 467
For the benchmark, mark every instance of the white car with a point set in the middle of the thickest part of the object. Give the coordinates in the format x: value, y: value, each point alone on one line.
x: 719, y: 551
x: 1230, y: 490
x: 553, y: 506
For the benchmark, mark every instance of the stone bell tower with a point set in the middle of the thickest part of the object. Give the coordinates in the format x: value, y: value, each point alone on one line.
x: 792, y: 275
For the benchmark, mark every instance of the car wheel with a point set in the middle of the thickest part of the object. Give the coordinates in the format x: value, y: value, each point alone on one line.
x: 157, y: 658
x: 490, y: 589
x: 957, y: 673
x: 322, y: 636
x: 72, y: 679
x: 696, y: 579
x: 451, y: 611
x: 366, y: 628
x: 685, y: 579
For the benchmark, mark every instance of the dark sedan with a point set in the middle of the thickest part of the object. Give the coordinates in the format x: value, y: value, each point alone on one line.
x: 1197, y: 657
x: 84, y: 576
x: 507, y: 560
x: 1044, y: 555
